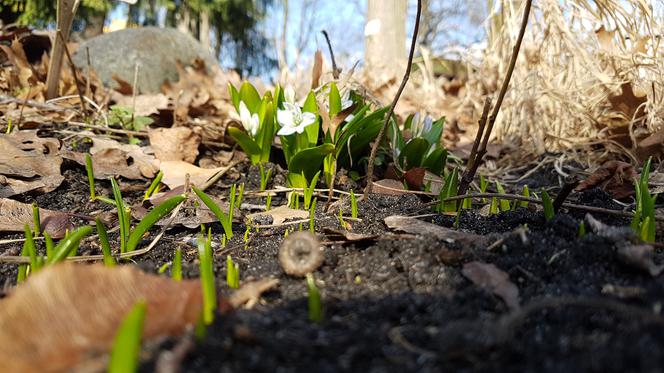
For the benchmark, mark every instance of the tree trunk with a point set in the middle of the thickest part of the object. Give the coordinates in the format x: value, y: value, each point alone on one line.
x: 184, y: 19
x: 94, y: 25
x: 204, y: 28
x: 385, y: 38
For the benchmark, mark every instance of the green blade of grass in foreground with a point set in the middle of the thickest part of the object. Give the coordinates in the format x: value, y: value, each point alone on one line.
x: 127, y: 343
x: 105, y: 245
x: 68, y: 244
x: 122, y: 215
x: 176, y: 269
x: 151, y: 219
x: 207, y: 279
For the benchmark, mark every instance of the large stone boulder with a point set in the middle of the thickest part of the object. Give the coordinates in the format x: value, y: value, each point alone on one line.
x: 156, y: 51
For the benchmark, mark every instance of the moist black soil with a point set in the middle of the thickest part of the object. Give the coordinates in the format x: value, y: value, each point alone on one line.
x: 399, y: 302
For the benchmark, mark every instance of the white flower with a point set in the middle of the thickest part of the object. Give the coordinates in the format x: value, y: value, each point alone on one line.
x: 293, y: 119
x: 249, y: 121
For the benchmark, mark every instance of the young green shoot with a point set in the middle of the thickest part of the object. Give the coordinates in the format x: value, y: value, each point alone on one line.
x: 50, y: 246
x: 109, y: 261
x: 176, y: 268
x: 232, y: 273
x: 123, y: 215
x: 525, y: 193
x: 9, y: 126
x: 548, y: 206
x: 309, y: 191
x: 32, y: 249
x: 226, y: 220
x: 314, y: 302
x: 154, y: 186
x: 151, y: 219
x: 483, y: 185
x: 36, y: 220
x: 449, y: 189
x: 164, y: 267
x: 268, y: 202
x: 23, y: 268
x: 91, y: 177
x: 582, y: 229
x: 127, y: 343
x: 69, y: 244
x: 493, y: 207
x: 643, y: 222
x: 240, y: 196
x: 353, y: 205
x: 265, y: 176
x: 246, y: 237
x: 312, y: 215
x: 342, y: 222
x: 207, y: 277
x: 503, y: 203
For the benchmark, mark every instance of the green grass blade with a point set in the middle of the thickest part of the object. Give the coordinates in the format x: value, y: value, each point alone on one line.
x: 23, y: 268
x: 150, y: 219
x: 525, y: 193
x: 36, y: 219
x: 176, y: 269
x: 207, y: 280
x: 91, y: 177
x: 353, y: 205
x: 127, y: 343
x: 122, y: 215
x: 32, y: 249
x: 314, y: 302
x: 69, y: 243
x: 153, y: 186
x: 109, y: 261
x: 221, y: 216
x: 49, y: 245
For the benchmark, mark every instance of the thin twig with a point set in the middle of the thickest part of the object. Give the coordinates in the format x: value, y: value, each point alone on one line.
x: 335, y: 70
x: 4, y: 99
x: 379, y: 138
x: 474, y: 163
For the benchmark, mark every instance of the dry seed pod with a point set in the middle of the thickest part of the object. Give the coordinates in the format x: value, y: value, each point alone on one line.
x: 67, y: 312
x: 301, y: 253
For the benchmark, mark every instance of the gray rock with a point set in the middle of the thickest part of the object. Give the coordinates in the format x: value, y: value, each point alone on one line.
x: 156, y: 50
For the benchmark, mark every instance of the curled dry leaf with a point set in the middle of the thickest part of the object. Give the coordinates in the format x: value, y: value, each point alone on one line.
x: 613, y: 177
x: 28, y: 162
x: 175, y: 144
x: 67, y: 312
x: 493, y: 279
x: 250, y: 292
x: 15, y: 215
x: 143, y: 105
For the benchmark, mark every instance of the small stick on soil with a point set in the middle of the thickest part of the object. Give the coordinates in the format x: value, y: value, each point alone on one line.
x: 485, y: 128
x: 4, y: 99
x: 379, y: 138
x: 73, y: 72
x: 335, y: 70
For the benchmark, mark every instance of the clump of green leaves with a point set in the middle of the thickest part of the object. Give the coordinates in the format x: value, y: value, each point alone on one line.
x: 313, y: 300
x: 126, y: 118
x: 423, y: 148
x: 450, y: 189
x: 127, y: 342
x: 643, y: 222
x: 232, y: 273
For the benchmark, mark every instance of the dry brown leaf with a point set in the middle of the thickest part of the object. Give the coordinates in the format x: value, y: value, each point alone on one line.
x: 419, y: 227
x: 15, y: 215
x: 653, y: 145
x: 65, y: 313
x: 175, y: 173
x: 250, y: 292
x: 613, y: 177
x: 278, y: 215
x: 317, y: 70
x: 389, y: 186
x: 606, y: 40
x: 628, y: 102
x: 493, y: 279
x: 175, y: 144
x: 28, y: 162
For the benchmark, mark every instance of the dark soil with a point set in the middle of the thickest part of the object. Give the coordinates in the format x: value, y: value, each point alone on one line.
x: 400, y: 303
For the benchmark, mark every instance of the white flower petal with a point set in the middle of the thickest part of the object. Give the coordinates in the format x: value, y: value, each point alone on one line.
x: 307, y: 119
x: 289, y: 94
x: 285, y: 131
x: 285, y: 118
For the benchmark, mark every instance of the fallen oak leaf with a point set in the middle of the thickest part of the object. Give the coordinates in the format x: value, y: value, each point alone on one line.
x: 15, y: 215
x: 613, y: 177
x: 493, y: 279
x: 175, y: 173
x: 60, y: 316
x: 175, y: 144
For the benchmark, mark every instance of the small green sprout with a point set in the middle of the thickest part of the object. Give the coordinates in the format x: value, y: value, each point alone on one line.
x: 154, y: 186
x: 207, y: 277
x: 91, y: 177
x: 232, y: 273
x: 265, y: 176
x: 36, y: 220
x: 643, y: 222
x: 151, y: 219
x: 123, y: 215
x: 176, y: 268
x: 9, y: 126
x: 109, y: 261
x: 314, y: 301
x: 493, y: 207
x: 309, y: 191
x: 582, y: 229
x: 226, y: 220
x: 503, y: 203
x: 240, y: 196
x: 224, y: 240
x: 483, y: 185
x: 548, y: 206
x: 449, y: 189
x: 268, y: 202
x: 164, y: 267
x: 312, y: 215
x: 246, y: 234
x: 127, y: 342
x: 23, y: 268
x: 342, y: 222
x: 32, y: 249
x: 48, y: 241
x: 353, y: 205
x: 525, y: 193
